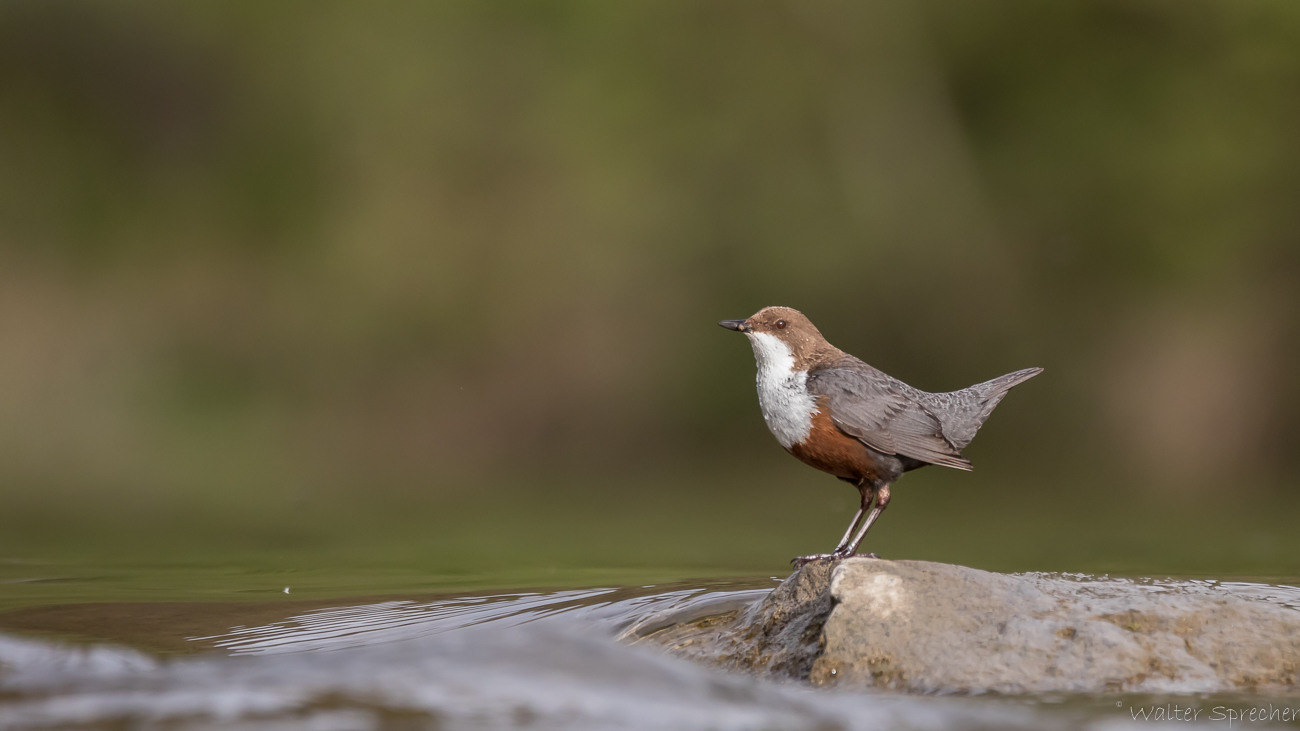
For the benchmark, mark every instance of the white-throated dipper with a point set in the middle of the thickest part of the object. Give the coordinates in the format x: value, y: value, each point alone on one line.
x: 840, y: 415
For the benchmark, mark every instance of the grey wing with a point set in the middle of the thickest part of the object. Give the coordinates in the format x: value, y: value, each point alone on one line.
x: 879, y: 412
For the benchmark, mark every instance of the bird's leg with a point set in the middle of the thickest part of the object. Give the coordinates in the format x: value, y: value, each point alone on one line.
x: 882, y: 502
x: 867, y: 495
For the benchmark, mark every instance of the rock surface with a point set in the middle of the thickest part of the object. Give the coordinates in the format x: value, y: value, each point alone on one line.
x: 927, y: 627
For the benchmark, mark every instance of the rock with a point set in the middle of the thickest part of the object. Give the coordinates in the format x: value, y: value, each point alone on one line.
x: 780, y: 635
x: 928, y: 627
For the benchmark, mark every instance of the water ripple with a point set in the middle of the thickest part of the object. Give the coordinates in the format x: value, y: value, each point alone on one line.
x: 603, y: 609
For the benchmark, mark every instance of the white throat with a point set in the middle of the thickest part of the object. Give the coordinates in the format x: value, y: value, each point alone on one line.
x: 788, y: 408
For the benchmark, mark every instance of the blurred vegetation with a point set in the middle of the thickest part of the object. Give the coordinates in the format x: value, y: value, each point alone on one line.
x: 410, y: 260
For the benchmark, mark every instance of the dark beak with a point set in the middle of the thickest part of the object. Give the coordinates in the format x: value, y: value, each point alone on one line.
x: 737, y: 325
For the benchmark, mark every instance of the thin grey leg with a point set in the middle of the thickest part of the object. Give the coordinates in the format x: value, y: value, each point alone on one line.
x: 882, y: 502
x: 867, y: 495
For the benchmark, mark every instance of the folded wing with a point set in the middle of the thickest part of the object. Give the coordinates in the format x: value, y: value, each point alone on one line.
x: 883, y: 413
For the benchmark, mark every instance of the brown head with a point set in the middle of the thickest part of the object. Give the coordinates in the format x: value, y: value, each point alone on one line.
x: 787, y: 326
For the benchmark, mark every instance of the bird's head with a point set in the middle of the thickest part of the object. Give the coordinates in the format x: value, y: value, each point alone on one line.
x: 779, y: 333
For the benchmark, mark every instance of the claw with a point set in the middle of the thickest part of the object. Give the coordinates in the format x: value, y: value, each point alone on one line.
x: 801, y: 561
x: 838, y: 555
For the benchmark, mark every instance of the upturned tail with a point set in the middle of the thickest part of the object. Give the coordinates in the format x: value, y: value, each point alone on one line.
x: 963, y: 412
x: 993, y: 391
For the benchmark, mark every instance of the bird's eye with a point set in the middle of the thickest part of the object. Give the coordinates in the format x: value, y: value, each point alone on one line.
x: 780, y: 324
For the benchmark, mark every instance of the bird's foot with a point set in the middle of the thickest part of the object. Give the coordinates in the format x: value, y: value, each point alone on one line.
x: 837, y: 555
x: 801, y: 561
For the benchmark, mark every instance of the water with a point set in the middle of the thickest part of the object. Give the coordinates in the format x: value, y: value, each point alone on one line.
x: 486, y: 660
x: 415, y: 616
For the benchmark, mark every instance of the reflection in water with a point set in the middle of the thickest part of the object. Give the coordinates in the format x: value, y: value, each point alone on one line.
x: 524, y: 660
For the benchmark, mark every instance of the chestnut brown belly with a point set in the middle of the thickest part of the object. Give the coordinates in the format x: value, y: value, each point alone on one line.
x: 831, y: 450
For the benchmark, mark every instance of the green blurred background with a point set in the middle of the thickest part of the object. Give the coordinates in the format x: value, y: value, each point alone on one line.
x: 421, y: 294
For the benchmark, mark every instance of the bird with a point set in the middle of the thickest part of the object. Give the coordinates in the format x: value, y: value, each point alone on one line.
x: 834, y: 412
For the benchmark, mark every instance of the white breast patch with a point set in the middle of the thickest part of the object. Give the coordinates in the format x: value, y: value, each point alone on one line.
x: 788, y: 408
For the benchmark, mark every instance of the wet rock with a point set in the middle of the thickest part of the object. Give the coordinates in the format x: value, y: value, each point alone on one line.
x: 927, y: 627
x: 779, y: 635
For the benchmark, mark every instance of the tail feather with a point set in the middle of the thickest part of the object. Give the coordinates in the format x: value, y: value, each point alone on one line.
x: 998, y: 387
x: 963, y: 412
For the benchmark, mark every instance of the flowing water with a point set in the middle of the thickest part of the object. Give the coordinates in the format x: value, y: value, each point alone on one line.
x: 479, y: 660
x: 426, y: 615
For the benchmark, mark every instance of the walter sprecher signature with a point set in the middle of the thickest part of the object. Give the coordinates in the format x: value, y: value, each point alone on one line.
x: 1230, y: 714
